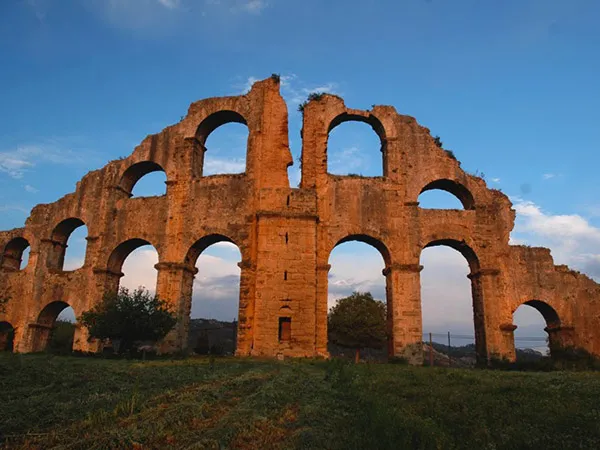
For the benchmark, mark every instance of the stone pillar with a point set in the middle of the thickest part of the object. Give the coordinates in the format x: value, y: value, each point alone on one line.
x: 82, y: 341
x: 489, y: 315
x: 322, y: 308
x: 559, y: 337
x: 55, y: 252
x: 508, y: 340
x: 39, y: 334
x: 245, y: 330
x: 174, y: 285
x: 403, y: 289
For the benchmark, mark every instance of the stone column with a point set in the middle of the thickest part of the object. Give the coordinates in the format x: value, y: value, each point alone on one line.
x: 403, y: 289
x: 490, y: 339
x: 174, y: 285
x: 508, y: 341
x: 559, y: 337
x: 245, y: 331
x: 321, y: 310
x: 82, y: 341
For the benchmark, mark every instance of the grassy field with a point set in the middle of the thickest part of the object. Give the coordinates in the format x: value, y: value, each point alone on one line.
x: 67, y: 402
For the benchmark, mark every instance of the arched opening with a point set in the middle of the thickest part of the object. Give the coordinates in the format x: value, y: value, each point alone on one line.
x: 144, y: 179
x: 446, y: 194
x: 536, y: 325
x: 69, y: 245
x: 451, y: 304
x: 356, y: 265
x: 214, y: 310
x: 16, y: 254
x: 134, y: 262
x: 7, y: 336
x: 224, y: 136
x: 356, y: 146
x: 55, y: 328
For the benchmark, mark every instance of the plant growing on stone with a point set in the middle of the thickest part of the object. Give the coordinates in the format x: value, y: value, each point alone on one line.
x: 129, y: 318
x: 357, y: 322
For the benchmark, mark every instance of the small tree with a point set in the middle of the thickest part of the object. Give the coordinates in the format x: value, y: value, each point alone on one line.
x: 129, y: 318
x: 61, y: 338
x: 358, y: 321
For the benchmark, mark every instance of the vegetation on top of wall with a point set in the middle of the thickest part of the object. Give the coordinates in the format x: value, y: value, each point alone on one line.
x: 316, y: 96
x: 450, y: 153
x: 276, y: 77
x: 438, y: 141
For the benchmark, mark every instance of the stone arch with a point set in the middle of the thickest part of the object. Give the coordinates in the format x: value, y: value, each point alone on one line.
x: 476, y: 290
x: 114, y: 266
x: 460, y: 246
x: 135, y: 172
x: 210, y: 124
x: 385, y: 254
x: 558, y: 336
x: 215, y: 120
x: 12, y: 256
x: 7, y: 335
x: 202, y: 244
x: 370, y: 120
x: 453, y: 187
x: 59, y: 239
x: 366, y: 239
x: 189, y: 271
x: 42, y: 328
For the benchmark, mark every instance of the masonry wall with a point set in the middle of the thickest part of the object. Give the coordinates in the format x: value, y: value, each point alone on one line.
x: 285, y: 235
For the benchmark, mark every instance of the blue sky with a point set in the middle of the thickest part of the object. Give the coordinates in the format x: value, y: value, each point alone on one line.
x: 511, y: 87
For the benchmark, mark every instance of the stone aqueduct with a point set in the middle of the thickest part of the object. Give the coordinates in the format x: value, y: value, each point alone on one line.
x: 285, y: 235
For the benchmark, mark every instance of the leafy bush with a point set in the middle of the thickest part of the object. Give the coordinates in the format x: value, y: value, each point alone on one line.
x: 61, y: 337
x: 358, y: 321
x: 129, y: 318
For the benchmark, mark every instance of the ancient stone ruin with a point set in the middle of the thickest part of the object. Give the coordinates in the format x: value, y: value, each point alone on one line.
x: 285, y: 235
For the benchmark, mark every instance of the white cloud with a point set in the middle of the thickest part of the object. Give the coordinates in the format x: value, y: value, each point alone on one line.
x: 214, y: 166
x: 17, y: 162
x: 346, y: 160
x: 496, y: 180
x: 572, y: 239
x: 548, y: 176
x: 293, y: 89
x: 170, y: 4
x: 14, y: 208
x: 250, y: 6
x: 31, y: 189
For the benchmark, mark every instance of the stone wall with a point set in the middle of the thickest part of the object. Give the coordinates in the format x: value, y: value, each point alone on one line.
x: 285, y: 235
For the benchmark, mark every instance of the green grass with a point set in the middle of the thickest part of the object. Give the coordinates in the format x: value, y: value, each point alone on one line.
x: 87, y: 403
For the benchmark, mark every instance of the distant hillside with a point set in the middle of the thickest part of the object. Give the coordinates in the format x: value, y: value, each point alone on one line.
x: 463, y: 356
x: 212, y: 336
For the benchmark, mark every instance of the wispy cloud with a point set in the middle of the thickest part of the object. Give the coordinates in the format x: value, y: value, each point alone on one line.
x: 346, y: 160
x: 214, y: 166
x: 31, y: 189
x: 249, y: 6
x: 170, y: 4
x: 293, y: 89
x: 18, y: 208
x: 572, y: 238
x: 495, y: 180
x: 20, y: 160
x: 548, y: 176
